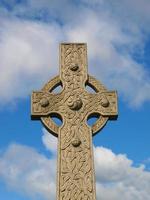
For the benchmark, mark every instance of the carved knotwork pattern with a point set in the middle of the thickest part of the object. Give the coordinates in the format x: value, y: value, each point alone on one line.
x: 76, y: 167
x: 76, y: 178
x: 74, y: 104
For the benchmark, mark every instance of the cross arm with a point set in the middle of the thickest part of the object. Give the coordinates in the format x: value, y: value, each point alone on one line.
x: 104, y: 103
x: 44, y: 103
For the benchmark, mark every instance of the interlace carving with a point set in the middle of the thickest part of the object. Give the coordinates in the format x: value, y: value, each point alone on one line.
x: 74, y: 104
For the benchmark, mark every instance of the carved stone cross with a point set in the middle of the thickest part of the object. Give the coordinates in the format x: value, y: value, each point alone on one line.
x: 75, y: 170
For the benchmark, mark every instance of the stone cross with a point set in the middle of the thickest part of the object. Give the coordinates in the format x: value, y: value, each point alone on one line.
x: 74, y: 104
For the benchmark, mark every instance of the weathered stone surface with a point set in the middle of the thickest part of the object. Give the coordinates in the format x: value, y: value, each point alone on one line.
x: 75, y: 171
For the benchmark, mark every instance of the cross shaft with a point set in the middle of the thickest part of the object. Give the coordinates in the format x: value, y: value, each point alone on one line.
x: 75, y: 174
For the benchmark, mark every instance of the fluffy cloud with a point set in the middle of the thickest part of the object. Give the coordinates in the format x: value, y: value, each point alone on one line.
x: 49, y: 141
x: 26, y: 171
x: 28, y: 56
x: 116, y: 34
x: 117, y: 177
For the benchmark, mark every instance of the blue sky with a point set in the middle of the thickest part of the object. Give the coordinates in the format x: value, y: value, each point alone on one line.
x: 118, y: 37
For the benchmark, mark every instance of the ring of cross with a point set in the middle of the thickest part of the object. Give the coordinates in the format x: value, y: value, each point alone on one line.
x: 48, y: 122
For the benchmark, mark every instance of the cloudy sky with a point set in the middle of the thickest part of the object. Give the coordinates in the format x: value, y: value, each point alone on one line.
x: 118, y: 37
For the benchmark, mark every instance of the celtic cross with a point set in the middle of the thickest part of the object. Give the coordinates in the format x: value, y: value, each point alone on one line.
x: 75, y: 170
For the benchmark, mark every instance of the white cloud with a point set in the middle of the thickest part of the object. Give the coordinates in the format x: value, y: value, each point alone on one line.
x: 28, y: 56
x: 114, y: 33
x: 117, y: 177
x: 49, y: 141
x: 26, y: 171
